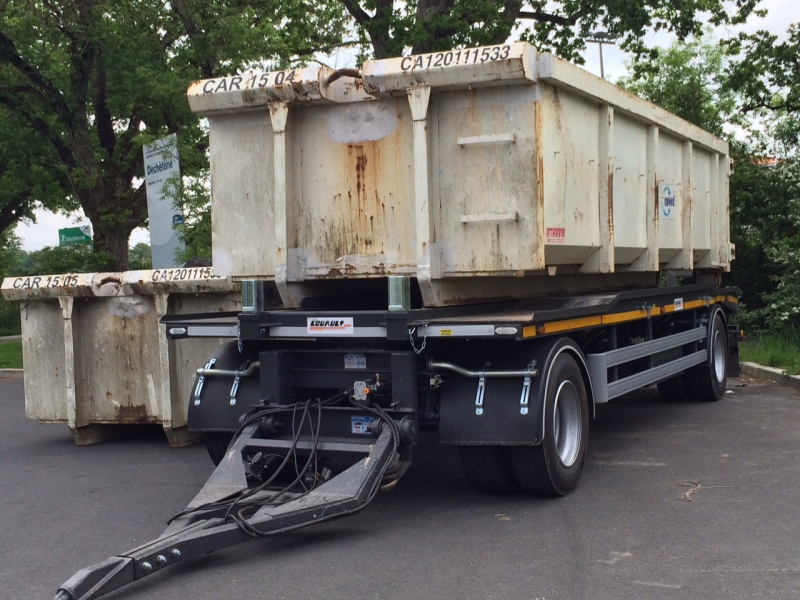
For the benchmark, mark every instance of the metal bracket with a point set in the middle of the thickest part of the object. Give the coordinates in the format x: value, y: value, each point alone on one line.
x: 360, y: 391
x: 200, y: 380
x: 479, y: 396
x: 526, y: 390
x: 236, y: 380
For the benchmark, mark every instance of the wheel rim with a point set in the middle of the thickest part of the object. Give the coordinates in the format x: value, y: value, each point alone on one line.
x: 718, y: 348
x: 567, y: 423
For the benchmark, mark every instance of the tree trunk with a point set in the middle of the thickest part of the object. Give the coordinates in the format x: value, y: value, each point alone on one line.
x: 115, y: 209
x: 113, y: 241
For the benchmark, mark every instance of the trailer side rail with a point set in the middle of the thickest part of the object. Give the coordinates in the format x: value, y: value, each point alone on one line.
x: 599, y: 364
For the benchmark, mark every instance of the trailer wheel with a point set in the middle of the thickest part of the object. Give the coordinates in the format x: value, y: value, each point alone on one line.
x: 217, y: 444
x: 708, y: 381
x: 553, y: 467
x: 487, y: 469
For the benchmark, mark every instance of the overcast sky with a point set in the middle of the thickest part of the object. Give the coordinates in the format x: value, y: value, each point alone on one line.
x: 781, y: 13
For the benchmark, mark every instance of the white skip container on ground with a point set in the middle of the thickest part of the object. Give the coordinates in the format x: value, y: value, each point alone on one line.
x: 95, y: 354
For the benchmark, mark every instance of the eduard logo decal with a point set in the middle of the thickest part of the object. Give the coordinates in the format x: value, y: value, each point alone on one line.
x: 327, y: 326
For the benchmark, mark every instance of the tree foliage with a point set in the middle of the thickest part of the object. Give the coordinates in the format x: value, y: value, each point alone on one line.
x: 93, y: 80
x: 752, y: 83
x: 553, y: 25
x: 29, y: 173
x: 688, y: 79
x: 766, y: 75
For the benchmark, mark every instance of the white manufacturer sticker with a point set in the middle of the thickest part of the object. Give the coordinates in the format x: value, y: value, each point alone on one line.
x: 355, y: 361
x: 678, y: 302
x: 330, y: 326
x: 669, y: 203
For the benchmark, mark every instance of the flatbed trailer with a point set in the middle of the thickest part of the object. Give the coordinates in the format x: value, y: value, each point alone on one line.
x: 469, y: 242
x: 340, y: 396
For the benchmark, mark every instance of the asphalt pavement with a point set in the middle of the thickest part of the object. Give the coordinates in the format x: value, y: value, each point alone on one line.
x: 626, y: 532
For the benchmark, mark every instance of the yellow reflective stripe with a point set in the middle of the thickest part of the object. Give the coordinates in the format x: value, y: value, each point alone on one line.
x: 694, y: 304
x: 632, y: 315
x: 625, y: 316
x: 568, y: 324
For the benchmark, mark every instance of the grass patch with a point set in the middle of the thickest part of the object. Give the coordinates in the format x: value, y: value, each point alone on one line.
x: 11, y: 355
x: 770, y: 349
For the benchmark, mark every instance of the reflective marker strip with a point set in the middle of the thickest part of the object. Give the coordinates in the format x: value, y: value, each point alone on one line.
x: 213, y: 330
x: 455, y: 331
x: 633, y: 315
x: 573, y: 324
x: 627, y: 316
x: 297, y: 332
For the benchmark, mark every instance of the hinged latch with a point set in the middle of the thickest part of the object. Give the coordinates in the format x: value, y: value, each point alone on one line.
x: 200, y: 380
x: 236, y: 380
x: 479, y: 396
x: 526, y: 389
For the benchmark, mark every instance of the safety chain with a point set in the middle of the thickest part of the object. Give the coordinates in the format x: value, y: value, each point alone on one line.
x: 411, y: 338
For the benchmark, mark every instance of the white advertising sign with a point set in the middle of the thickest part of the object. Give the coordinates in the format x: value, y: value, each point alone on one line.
x: 162, y: 177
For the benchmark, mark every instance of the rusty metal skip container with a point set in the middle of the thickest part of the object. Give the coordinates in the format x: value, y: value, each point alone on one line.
x: 484, y: 174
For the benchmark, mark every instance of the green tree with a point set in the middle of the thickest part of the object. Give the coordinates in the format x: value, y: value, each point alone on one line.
x: 93, y: 80
x: 687, y: 79
x: 29, y: 173
x: 429, y: 25
x: 140, y: 257
x: 693, y: 80
x: 766, y: 74
x: 11, y: 256
x: 63, y: 259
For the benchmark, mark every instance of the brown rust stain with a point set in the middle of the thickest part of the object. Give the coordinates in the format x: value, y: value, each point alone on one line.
x: 539, y: 189
x: 134, y: 414
x: 361, y: 218
x: 610, y: 219
x: 655, y: 201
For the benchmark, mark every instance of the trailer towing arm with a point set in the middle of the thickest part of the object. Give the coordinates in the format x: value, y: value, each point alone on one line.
x: 205, y: 525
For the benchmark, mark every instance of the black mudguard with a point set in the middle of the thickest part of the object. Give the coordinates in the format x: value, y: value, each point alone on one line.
x: 502, y: 422
x: 214, y: 411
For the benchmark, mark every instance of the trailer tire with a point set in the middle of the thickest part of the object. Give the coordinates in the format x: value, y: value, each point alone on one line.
x: 217, y: 444
x: 488, y: 469
x: 553, y: 467
x: 708, y: 381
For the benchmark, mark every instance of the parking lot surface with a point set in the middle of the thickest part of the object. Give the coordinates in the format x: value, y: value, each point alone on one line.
x: 634, y: 528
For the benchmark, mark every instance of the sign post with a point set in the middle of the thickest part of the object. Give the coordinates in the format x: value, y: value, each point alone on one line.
x: 163, y: 179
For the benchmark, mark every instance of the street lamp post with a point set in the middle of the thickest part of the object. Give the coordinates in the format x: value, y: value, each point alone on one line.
x: 600, y: 38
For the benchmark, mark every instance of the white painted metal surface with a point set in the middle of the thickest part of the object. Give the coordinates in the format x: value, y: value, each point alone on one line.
x: 95, y: 354
x: 484, y: 173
